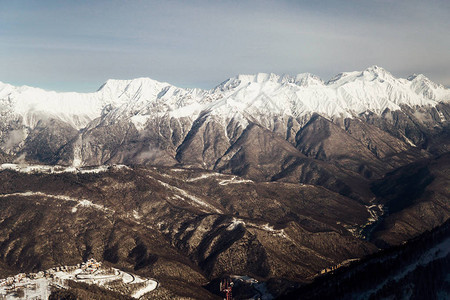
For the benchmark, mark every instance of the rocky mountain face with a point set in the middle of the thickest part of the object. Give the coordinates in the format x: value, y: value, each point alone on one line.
x: 417, y: 269
x: 416, y: 198
x: 275, y: 177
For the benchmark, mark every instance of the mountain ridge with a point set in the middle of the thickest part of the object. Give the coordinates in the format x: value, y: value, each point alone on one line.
x: 346, y: 94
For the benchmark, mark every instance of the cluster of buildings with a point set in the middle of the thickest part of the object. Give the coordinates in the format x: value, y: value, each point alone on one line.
x: 90, y: 265
x: 21, y: 279
x: 13, y: 280
x: 38, y: 285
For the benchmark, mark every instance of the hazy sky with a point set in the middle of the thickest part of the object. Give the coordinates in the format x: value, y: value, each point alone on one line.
x: 78, y: 45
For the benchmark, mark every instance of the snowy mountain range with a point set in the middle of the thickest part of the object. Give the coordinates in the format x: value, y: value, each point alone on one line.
x: 346, y: 95
x: 146, y: 121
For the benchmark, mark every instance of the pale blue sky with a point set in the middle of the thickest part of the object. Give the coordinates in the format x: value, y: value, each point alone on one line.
x: 77, y: 45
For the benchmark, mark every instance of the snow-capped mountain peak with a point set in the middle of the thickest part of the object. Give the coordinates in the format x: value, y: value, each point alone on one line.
x: 421, y: 85
x: 308, y: 79
x: 242, y: 80
x: 376, y: 71
x: 121, y: 85
x: 370, y: 74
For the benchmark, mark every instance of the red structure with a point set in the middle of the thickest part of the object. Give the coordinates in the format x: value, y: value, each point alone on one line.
x: 226, y: 286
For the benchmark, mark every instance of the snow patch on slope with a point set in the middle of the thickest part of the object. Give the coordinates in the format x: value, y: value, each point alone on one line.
x: 183, y: 195
x: 234, y: 180
x: 80, y: 202
x: 30, y: 169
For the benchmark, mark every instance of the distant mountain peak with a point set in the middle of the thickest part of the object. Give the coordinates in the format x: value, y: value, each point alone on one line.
x: 424, y: 79
x: 377, y: 71
x: 127, y: 83
x: 246, y: 79
x: 302, y: 79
